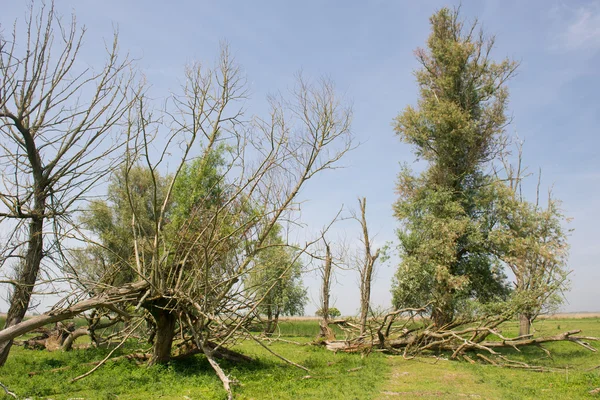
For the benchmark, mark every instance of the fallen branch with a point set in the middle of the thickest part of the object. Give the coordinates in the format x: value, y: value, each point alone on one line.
x: 133, y: 356
x: 108, y: 356
x: 126, y: 293
x: 213, y: 363
x: 8, y: 392
x: 458, y: 341
x: 219, y: 352
x: 275, y: 354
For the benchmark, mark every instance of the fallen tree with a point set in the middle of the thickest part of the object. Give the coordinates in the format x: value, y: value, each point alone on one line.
x: 111, y: 298
x: 408, y: 332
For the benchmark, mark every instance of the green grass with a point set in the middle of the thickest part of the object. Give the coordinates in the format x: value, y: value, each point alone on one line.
x: 266, y: 378
x: 431, y: 378
x: 297, y: 327
x: 331, y: 376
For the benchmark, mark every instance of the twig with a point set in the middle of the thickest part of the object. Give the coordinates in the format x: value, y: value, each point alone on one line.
x: 108, y: 356
x: 213, y: 363
x: 275, y: 354
x: 8, y: 392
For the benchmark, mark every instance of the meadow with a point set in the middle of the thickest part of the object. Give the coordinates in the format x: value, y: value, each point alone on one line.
x: 575, y: 372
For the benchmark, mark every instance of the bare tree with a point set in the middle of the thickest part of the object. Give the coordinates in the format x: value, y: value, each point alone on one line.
x: 230, y: 182
x: 365, y: 268
x: 326, y: 270
x: 58, y: 129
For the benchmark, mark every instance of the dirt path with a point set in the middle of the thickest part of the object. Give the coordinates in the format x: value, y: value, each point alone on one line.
x: 429, y: 378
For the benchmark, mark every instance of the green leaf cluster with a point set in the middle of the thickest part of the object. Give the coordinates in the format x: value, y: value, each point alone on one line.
x: 449, y: 210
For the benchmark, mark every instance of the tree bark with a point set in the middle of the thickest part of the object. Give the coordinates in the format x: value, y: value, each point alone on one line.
x: 366, y: 273
x: 326, y: 332
x: 130, y: 292
x: 442, y: 315
x: 524, y: 324
x: 268, y: 331
x: 275, y: 321
x: 19, y: 302
x: 165, y: 331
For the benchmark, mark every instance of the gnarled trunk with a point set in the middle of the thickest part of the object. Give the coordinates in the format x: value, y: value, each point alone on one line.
x: 165, y: 331
x: 442, y: 315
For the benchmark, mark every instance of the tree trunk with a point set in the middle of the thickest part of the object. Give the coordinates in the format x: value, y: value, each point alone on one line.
x: 19, y: 302
x: 326, y: 332
x: 165, y: 331
x: 442, y: 315
x: 126, y: 293
x: 268, y: 329
x: 366, y: 272
x: 275, y: 321
x: 524, y: 324
x: 67, y: 345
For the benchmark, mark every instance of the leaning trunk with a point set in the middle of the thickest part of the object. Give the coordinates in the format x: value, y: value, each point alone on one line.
x: 129, y: 293
x: 19, y: 302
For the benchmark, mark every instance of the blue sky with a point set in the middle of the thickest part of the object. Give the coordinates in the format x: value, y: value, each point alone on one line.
x: 366, y: 48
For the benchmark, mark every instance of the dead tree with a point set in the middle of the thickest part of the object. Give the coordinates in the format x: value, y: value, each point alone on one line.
x: 59, y: 138
x: 408, y: 332
x: 366, y: 268
x: 325, y: 331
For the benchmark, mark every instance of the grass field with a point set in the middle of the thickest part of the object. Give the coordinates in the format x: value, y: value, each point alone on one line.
x: 332, y: 376
x: 574, y: 378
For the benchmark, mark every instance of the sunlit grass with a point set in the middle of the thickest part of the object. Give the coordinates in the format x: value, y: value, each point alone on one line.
x: 331, y: 376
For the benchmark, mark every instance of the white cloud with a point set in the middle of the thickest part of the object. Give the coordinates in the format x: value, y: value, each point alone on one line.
x: 583, y: 27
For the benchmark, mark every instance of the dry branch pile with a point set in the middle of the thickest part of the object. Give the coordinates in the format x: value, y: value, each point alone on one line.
x: 409, y: 333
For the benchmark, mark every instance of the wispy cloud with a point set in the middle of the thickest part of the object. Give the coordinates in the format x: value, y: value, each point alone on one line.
x: 582, y: 26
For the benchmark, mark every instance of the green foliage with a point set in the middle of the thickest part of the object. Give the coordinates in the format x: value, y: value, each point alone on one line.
x: 532, y: 242
x: 138, y: 193
x: 199, y: 186
x: 276, y: 278
x: 448, y: 210
x: 134, y: 194
x: 333, y: 312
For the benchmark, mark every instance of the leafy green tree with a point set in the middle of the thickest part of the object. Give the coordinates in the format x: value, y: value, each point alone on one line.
x: 199, y: 185
x: 277, y: 281
x: 448, y: 210
x: 130, y: 200
x: 333, y: 312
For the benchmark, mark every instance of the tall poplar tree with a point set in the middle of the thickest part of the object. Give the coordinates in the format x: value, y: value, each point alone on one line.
x: 448, y: 210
